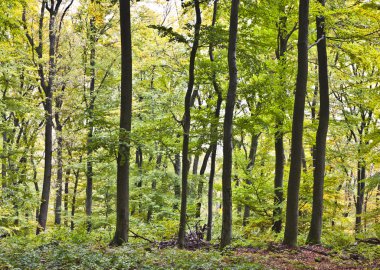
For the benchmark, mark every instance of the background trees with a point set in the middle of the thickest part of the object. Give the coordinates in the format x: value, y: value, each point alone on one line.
x: 79, y: 56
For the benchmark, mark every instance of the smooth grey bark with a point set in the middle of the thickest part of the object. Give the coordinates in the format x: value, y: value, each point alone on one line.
x: 319, y: 155
x: 291, y: 226
x: 123, y: 159
x: 186, y: 127
x: 226, y: 235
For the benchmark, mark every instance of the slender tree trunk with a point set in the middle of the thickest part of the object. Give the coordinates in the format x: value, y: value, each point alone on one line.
x: 186, y: 127
x: 49, y: 89
x: 291, y: 226
x: 320, y: 146
x: 4, y: 162
x: 282, y: 47
x: 58, y: 198
x: 360, y: 196
x: 228, y: 127
x: 90, y: 134
x: 66, y: 196
x: 214, y: 132
x: 74, y: 199
x: 278, y: 179
x: 154, y: 187
x: 200, y: 184
x: 251, y: 164
x: 122, y: 205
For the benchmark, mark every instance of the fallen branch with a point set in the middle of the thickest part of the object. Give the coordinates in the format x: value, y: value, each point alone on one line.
x: 142, y: 237
x: 372, y: 241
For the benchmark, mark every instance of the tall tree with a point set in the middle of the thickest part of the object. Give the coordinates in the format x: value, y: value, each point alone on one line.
x: 320, y: 146
x: 291, y: 226
x: 48, y: 87
x: 214, y: 131
x: 186, y: 126
x: 226, y: 236
x: 123, y: 158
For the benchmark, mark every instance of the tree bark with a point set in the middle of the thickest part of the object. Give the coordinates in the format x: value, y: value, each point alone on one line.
x: 228, y: 127
x: 291, y: 226
x: 122, y: 204
x: 200, y: 184
x: 48, y: 89
x: 320, y: 146
x: 214, y: 133
x: 186, y: 127
x: 90, y: 133
x: 251, y: 164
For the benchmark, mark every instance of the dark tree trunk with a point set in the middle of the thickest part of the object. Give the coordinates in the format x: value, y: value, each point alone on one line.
x: 360, y: 196
x: 200, y: 184
x: 90, y: 134
x: 122, y: 205
x: 66, y: 196
x: 154, y: 186
x: 214, y: 133
x: 251, y: 164
x: 48, y: 89
x: 186, y: 127
x: 74, y: 199
x: 4, y: 162
x: 282, y: 47
x: 320, y: 146
x: 291, y: 226
x: 58, y: 198
x: 278, y: 179
x: 228, y: 126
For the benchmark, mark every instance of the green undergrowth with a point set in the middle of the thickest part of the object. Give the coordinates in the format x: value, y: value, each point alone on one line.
x: 56, y: 250
x: 63, y: 249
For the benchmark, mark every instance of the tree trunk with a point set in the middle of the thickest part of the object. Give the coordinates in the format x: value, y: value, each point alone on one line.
x: 214, y: 133
x: 360, y: 196
x: 122, y: 204
x: 186, y: 127
x: 251, y: 164
x: 291, y: 226
x: 320, y: 146
x: 200, y: 184
x: 48, y: 89
x: 91, y: 106
x: 58, y: 198
x: 66, y: 196
x: 73, y: 202
x: 228, y: 127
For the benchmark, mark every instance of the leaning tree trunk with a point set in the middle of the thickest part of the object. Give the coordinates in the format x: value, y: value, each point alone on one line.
x: 228, y: 126
x: 186, y: 127
x: 291, y: 226
x: 122, y: 204
x: 320, y: 147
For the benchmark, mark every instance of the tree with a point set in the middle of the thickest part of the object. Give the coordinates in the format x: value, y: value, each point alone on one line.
x: 186, y: 120
x: 123, y: 158
x: 226, y: 236
x: 291, y: 226
x: 320, y: 145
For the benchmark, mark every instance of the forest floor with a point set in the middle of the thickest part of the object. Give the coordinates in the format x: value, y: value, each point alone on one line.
x: 80, y: 253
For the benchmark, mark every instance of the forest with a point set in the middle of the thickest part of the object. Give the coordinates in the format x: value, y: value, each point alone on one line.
x: 190, y: 134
